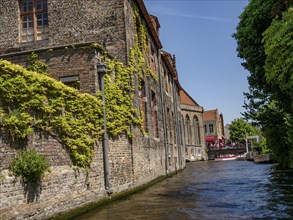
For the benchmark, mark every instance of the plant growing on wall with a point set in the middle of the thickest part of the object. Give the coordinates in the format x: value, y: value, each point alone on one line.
x: 29, y: 165
x: 119, y: 90
x: 35, y: 102
x: 30, y: 101
x: 36, y: 65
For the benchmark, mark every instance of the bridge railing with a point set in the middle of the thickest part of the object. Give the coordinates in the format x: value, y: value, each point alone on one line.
x: 224, y: 147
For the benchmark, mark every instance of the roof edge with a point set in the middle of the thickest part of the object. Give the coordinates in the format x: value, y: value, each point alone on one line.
x: 148, y: 20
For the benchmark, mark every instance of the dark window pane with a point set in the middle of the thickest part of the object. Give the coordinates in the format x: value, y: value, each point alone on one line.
x: 45, y: 4
x: 24, y: 25
x: 40, y: 23
x: 24, y: 9
x: 30, y: 24
x: 39, y: 6
x: 45, y: 15
x: 30, y: 18
x: 24, y: 18
x: 45, y: 22
x: 30, y: 7
x: 39, y: 16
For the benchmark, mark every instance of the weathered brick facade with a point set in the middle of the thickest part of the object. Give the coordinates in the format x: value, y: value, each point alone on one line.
x: 73, y: 26
x: 214, y: 128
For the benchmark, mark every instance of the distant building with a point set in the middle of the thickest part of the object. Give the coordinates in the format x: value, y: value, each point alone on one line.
x: 227, y: 131
x: 214, y: 128
x: 192, y: 116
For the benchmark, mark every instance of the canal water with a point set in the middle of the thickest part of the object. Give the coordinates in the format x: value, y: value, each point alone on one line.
x: 210, y: 190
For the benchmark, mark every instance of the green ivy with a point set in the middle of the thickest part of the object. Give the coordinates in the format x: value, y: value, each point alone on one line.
x: 36, y: 65
x: 121, y: 113
x: 29, y: 165
x: 35, y: 102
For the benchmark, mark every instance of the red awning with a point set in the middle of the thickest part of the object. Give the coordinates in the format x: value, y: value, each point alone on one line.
x: 211, y: 139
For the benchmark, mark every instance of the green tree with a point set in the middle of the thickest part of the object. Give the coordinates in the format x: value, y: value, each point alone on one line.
x: 240, y: 129
x: 278, y: 45
x: 255, y: 19
x: 264, y: 36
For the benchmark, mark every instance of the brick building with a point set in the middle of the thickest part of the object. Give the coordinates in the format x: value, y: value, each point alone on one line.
x: 61, y: 33
x: 192, y: 117
x: 214, y: 128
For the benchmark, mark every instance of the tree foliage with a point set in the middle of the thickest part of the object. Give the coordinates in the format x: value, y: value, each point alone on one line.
x: 278, y: 45
x: 240, y: 129
x: 264, y: 38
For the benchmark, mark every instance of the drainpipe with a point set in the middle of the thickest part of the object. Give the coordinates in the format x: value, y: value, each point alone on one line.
x: 176, y: 107
x: 101, y: 68
x: 163, y: 113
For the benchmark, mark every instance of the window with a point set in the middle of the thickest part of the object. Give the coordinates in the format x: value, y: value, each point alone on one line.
x: 192, y: 151
x: 173, y: 128
x: 196, y: 131
x: 154, y: 116
x: 153, y: 59
x: 166, y: 78
x: 211, y: 128
x: 33, y: 20
x: 188, y: 130
x: 198, y: 151
x: 71, y: 81
x: 205, y: 129
x: 143, y: 105
x: 169, y: 132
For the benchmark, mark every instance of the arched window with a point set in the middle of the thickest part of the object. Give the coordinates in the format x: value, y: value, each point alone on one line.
x: 188, y: 130
x: 196, y: 131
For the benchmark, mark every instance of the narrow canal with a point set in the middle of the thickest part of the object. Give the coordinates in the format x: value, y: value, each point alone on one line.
x: 210, y: 190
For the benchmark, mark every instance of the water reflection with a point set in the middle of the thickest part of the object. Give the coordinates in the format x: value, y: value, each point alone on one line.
x: 210, y: 190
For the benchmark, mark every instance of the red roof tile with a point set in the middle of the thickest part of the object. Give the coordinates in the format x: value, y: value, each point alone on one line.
x: 186, y: 99
x: 210, y: 115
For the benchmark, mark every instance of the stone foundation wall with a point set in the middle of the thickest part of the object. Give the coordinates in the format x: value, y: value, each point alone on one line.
x: 62, y: 188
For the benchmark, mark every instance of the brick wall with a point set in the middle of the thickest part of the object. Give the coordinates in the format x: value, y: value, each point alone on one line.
x: 131, y: 164
x: 66, y: 61
x: 102, y: 21
x: 71, y: 22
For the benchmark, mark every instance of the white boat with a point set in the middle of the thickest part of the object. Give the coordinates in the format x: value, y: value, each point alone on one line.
x: 242, y: 156
x: 226, y: 157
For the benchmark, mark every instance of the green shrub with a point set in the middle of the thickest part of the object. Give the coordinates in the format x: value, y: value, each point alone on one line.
x: 29, y: 165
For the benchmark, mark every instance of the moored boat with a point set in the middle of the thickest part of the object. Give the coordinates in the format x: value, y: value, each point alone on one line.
x: 226, y: 157
x: 241, y: 156
x: 263, y: 158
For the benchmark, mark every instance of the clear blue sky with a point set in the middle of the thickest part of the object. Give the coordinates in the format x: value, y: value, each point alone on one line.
x: 199, y: 33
